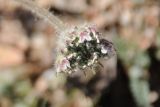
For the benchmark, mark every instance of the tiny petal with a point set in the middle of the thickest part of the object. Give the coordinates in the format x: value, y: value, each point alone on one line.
x: 93, y: 28
x: 63, y: 65
x: 94, y: 57
x: 84, y: 66
x: 103, y: 50
x: 84, y: 36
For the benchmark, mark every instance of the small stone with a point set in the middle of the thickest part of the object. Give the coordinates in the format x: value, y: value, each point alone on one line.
x: 102, y: 4
x: 74, y: 6
x: 12, y: 33
x: 41, y: 51
x: 10, y: 56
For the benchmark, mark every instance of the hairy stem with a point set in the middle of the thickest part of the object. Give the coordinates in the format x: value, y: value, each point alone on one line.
x: 44, y: 14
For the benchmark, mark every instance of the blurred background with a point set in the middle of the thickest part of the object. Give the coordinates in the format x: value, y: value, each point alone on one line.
x: 27, y: 55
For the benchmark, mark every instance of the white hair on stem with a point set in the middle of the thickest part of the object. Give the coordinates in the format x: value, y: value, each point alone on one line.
x: 44, y: 14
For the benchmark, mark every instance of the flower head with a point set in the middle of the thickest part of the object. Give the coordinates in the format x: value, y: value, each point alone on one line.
x: 83, y: 49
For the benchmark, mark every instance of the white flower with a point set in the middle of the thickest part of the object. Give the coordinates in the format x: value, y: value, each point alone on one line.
x: 103, y: 50
x: 63, y: 65
x: 84, y: 36
x: 84, y: 66
x: 97, y: 38
x: 94, y: 32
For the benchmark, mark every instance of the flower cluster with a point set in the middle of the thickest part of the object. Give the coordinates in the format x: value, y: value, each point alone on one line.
x: 83, y: 49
